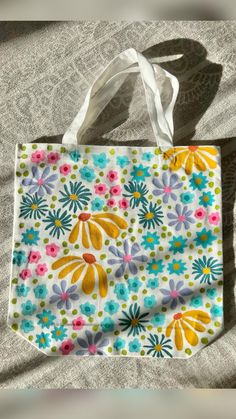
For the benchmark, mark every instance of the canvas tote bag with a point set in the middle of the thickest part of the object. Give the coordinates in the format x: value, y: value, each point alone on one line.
x: 117, y: 251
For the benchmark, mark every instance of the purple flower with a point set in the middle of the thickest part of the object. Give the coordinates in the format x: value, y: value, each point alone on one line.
x: 63, y: 296
x: 40, y: 182
x: 175, y: 294
x: 182, y: 217
x: 128, y: 258
x: 167, y: 186
x: 93, y: 344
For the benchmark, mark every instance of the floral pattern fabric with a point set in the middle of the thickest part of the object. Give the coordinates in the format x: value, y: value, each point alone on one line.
x: 117, y: 250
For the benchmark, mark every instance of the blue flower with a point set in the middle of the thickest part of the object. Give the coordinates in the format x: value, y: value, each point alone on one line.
x: 207, y: 269
x: 43, y: 340
x: 93, y: 344
x: 122, y: 292
x: 46, y: 318
x: 150, y: 302
x: 177, y: 244
x: 111, y: 307
x: 119, y: 344
x: 153, y: 283
x: 158, y: 319
x: 40, y: 291
x: 59, y: 333
x: 186, y: 197
x: 160, y: 347
x: 58, y: 223
x: 31, y: 236
x: 196, y: 302
x: 136, y: 192
x: 147, y: 156
x: 155, y: 266
x: 28, y: 308
x: 75, y: 196
x: 206, y: 199
x: 175, y: 294
x: 198, y: 181
x: 87, y: 309
x: 63, y: 295
x: 151, y: 216
x: 22, y: 290
x: 181, y: 217
x: 167, y: 186
x: 75, y: 155
x: 211, y: 293
x: 134, y: 320
x: 122, y: 161
x: 134, y: 345
x: 150, y: 240
x: 100, y: 160
x: 134, y: 284
x: 107, y: 325
x: 87, y: 174
x: 177, y: 267
x: 139, y: 173
x: 33, y: 207
x: 40, y: 183
x: 97, y: 204
x: 216, y: 311
x: 129, y: 259
x: 204, y: 238
x: 27, y: 326
x: 19, y: 257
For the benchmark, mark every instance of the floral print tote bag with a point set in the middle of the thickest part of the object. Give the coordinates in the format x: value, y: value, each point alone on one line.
x: 117, y: 251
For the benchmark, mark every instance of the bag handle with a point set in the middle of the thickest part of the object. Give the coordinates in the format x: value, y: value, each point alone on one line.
x: 108, y: 83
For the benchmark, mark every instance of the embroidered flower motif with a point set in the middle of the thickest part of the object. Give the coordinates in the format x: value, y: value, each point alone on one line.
x: 65, y: 169
x: 150, y: 241
x: 155, y: 266
x: 107, y: 325
x: 112, y: 175
x: 111, y: 203
x: 63, y: 296
x: 199, y: 157
x: 196, y: 301
x: 52, y: 250
x: 67, y: 346
x: 150, y: 301
x: 100, y: 188
x: 19, y: 257
x: 122, y: 161
x: 139, y: 173
x: 150, y: 216
x: 181, y: 218
x: 87, y: 309
x: 78, y: 323
x: 111, y: 307
x: 43, y: 340
x: 25, y: 274
x: 123, y: 204
x: 46, y: 318
x: 115, y: 190
x: 167, y: 186
x: 134, y: 345
x: 31, y: 236
x: 186, y: 197
x: 200, y: 213
x: 97, y: 204
x: 22, y: 290
x: 134, y: 284
x: 147, y: 156
x: 134, y: 321
x: 33, y: 207
x: 159, y: 346
x: 128, y: 259
x: 38, y: 156
x: 100, y: 160
x: 28, y: 308
x: 34, y: 256
x: 177, y: 267
x: 42, y: 184
x: 207, y: 269
x: 93, y: 344
x: 53, y: 157
x: 178, y: 244
x: 122, y: 292
x: 158, y: 319
x: 27, y: 326
x: 58, y: 223
x: 59, y: 333
x: 216, y: 311
x: 214, y: 218
x: 153, y: 283
x: 136, y: 192
x: 198, y: 181
x: 41, y: 269
x: 41, y: 291
x: 75, y: 155
x: 75, y: 196
x: 119, y: 344
x: 204, y: 238
x: 87, y: 173
x: 175, y: 294
x: 206, y: 199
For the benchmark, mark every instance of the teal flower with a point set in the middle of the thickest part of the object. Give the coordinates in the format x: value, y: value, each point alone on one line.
x: 75, y: 155
x: 134, y: 284
x: 43, y: 340
x: 59, y: 333
x: 139, y: 173
x: 177, y: 267
x: 198, y: 181
x: 75, y: 196
x: 31, y: 236
x: 22, y: 290
x: 150, y: 216
x: 122, y: 161
x: 147, y: 156
x: 155, y: 266
x: 134, y: 345
x: 111, y: 307
x: 150, y: 302
x: 196, y: 302
x: 41, y: 291
x: 33, y: 207
x: 159, y: 347
x: 186, y: 197
x: 136, y: 192
x: 153, y: 283
x: 204, y: 238
x: 211, y: 293
x: 207, y: 269
x: 100, y: 160
x: 19, y: 257
x: 177, y: 244
x: 107, y: 325
x: 206, y: 199
x: 119, y: 344
x: 158, y: 319
x: 27, y: 326
x: 122, y: 292
x: 58, y: 223
x: 87, y: 174
x: 216, y: 311
x: 150, y: 240
x: 87, y: 309
x: 46, y: 318
x: 97, y: 204
x: 28, y: 308
x: 133, y: 321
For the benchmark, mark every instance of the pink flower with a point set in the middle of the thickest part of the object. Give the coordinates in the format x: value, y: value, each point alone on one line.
x: 52, y: 250
x: 78, y: 323
x: 34, y: 256
x: 214, y: 218
x: 65, y: 169
x: 53, y: 157
x: 41, y: 269
x: 111, y: 202
x: 100, y: 189
x: 200, y: 213
x: 112, y: 175
x: 124, y: 203
x: 25, y: 273
x: 38, y: 156
x: 115, y: 190
x: 67, y: 346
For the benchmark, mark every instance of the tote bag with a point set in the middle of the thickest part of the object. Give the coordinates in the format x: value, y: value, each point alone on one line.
x: 117, y: 251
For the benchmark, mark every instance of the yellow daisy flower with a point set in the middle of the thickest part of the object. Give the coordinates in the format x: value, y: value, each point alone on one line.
x: 191, y: 156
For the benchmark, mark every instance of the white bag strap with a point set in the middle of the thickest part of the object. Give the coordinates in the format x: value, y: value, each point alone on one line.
x: 108, y: 83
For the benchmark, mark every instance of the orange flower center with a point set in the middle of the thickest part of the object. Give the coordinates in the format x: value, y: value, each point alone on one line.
x: 192, y: 148
x: 177, y: 316
x: 84, y: 216
x: 89, y: 258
